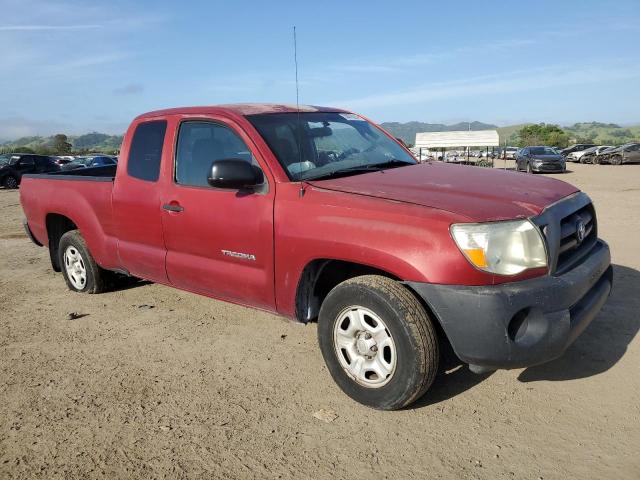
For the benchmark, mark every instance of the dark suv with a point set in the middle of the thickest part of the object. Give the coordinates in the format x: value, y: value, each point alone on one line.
x: 21, y: 163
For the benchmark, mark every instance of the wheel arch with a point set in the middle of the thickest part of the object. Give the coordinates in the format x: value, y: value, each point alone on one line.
x: 57, y: 225
x: 319, y: 276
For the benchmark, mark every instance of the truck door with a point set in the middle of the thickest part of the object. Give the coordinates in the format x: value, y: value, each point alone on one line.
x: 219, y: 241
x: 136, y: 201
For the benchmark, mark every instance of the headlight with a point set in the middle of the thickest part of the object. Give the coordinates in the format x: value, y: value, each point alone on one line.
x: 505, y: 248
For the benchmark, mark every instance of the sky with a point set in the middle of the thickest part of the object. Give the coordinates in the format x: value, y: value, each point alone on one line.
x: 81, y: 66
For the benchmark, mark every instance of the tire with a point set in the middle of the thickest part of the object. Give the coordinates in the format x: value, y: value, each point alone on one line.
x: 10, y: 182
x: 529, y: 169
x: 409, y: 345
x: 616, y: 160
x: 79, y: 269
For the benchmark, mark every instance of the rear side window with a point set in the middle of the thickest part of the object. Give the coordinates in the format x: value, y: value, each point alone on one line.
x: 146, y: 150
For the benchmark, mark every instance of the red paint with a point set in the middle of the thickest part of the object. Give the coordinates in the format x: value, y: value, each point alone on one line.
x: 396, y: 220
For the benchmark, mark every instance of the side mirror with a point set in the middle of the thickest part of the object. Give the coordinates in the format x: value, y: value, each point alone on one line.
x: 402, y: 142
x: 234, y: 173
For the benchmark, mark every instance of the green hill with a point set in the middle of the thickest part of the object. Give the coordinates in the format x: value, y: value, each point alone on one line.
x: 90, y: 142
x: 407, y: 131
x: 603, y: 133
x: 586, y: 132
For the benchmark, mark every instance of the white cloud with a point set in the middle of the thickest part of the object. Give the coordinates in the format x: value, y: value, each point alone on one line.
x: 515, y: 81
x: 14, y: 127
x: 31, y: 28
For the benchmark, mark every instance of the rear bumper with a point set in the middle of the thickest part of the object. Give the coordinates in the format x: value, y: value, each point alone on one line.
x: 523, y: 323
x: 25, y: 224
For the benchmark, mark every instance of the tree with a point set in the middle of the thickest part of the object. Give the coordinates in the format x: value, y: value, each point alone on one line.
x: 61, y: 146
x: 542, y: 134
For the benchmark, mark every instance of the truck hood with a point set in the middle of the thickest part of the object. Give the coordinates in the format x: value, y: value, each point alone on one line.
x: 480, y: 194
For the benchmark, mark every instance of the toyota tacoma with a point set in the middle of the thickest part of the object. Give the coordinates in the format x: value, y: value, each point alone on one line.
x: 318, y: 214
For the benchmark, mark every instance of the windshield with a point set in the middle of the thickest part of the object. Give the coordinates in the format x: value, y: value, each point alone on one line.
x: 321, y: 144
x: 543, y: 151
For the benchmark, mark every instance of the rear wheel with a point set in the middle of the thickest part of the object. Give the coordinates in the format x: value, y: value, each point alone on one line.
x: 79, y: 269
x: 10, y: 182
x: 616, y: 160
x: 378, y: 342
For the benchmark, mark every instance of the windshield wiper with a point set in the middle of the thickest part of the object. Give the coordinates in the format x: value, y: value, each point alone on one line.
x: 373, y: 167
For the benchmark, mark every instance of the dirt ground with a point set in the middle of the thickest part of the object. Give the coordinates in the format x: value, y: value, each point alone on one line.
x: 151, y: 382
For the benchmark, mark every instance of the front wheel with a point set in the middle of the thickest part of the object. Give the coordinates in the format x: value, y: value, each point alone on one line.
x: 617, y: 160
x: 529, y: 169
x: 10, y: 182
x: 378, y: 342
x: 80, y: 270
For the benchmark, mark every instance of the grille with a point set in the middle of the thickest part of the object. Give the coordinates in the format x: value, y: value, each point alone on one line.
x: 575, y: 244
x: 570, y: 228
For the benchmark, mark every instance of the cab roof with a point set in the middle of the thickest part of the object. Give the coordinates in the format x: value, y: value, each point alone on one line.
x: 241, y: 109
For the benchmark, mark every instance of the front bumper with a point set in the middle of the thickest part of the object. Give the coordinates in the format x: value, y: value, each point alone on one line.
x: 525, y: 323
x: 548, y: 167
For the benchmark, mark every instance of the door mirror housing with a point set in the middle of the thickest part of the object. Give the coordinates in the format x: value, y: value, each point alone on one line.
x: 235, y: 174
x: 402, y: 142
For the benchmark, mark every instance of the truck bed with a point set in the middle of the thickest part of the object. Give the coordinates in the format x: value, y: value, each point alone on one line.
x: 98, y: 174
x: 83, y: 195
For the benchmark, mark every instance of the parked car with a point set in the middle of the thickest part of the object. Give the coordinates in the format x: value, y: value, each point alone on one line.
x: 20, y: 163
x: 63, y: 159
x: 90, y: 161
x: 540, y: 159
x: 577, y: 155
x: 602, y: 154
x: 576, y: 148
x: 485, y: 154
x: 629, y: 153
x: 387, y: 254
x: 509, y: 153
x: 589, y: 155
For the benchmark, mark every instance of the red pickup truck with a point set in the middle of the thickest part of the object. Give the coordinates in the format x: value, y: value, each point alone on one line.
x: 318, y: 214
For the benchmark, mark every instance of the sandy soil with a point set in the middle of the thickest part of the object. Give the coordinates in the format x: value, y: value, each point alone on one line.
x: 152, y: 382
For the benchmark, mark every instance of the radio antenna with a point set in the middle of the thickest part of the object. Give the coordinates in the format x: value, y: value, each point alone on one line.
x: 299, y: 125
x: 295, y: 60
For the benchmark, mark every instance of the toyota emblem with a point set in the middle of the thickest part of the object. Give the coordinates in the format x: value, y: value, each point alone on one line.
x: 581, y: 230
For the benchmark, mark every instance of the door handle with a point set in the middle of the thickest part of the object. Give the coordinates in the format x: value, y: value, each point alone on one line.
x: 173, y: 207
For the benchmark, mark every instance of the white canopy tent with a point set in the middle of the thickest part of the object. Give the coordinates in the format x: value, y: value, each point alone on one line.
x: 441, y: 140
x: 472, y: 138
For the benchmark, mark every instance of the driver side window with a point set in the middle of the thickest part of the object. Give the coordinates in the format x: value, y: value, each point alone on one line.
x: 199, y: 144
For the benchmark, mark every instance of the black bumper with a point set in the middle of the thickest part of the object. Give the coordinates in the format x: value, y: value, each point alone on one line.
x: 547, y: 167
x: 25, y: 224
x: 525, y: 323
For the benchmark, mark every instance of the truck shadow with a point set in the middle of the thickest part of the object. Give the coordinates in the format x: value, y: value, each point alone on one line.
x: 598, y: 349
x: 453, y: 378
x: 605, y: 341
